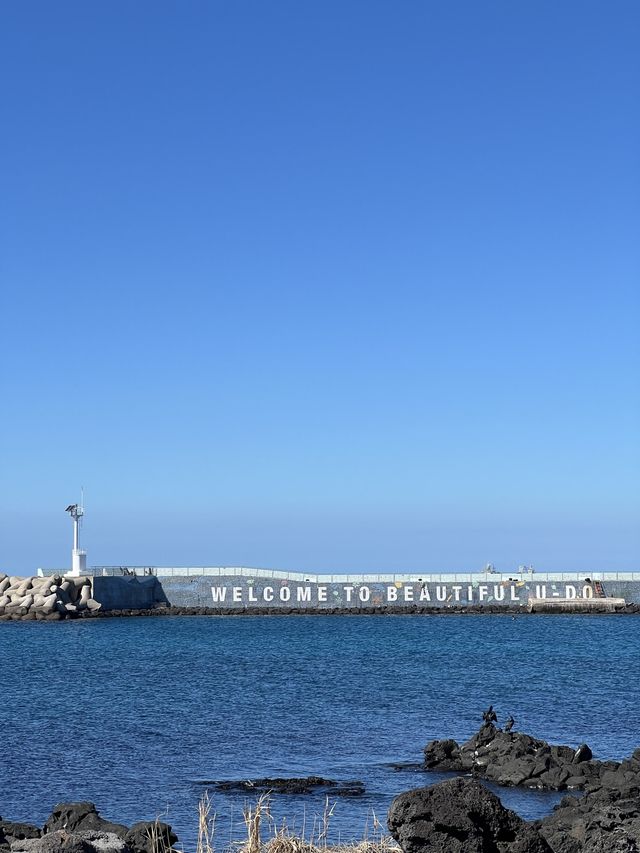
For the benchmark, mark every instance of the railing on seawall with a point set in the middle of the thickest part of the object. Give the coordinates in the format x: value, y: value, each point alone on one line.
x: 385, y: 577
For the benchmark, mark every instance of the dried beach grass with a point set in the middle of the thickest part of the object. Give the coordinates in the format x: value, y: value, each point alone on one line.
x: 281, y: 839
x: 206, y: 825
x: 278, y: 839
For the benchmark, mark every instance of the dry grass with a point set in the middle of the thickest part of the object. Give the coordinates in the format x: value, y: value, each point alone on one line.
x: 206, y: 825
x: 280, y: 839
x: 264, y: 836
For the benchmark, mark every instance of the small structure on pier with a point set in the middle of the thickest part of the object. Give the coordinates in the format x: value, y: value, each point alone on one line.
x: 78, y: 556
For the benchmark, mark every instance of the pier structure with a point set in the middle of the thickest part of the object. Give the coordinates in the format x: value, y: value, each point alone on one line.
x: 78, y: 555
x: 240, y: 587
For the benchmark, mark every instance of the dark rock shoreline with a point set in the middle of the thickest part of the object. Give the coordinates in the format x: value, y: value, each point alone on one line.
x: 78, y: 828
x: 405, y: 610
x: 461, y: 815
x: 517, y: 759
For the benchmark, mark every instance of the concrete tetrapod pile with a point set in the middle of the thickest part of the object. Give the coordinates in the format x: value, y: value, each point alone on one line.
x: 49, y: 598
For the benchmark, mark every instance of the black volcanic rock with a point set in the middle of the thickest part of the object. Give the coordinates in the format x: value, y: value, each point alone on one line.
x: 515, y: 758
x: 11, y: 831
x: 460, y: 816
x: 150, y: 837
x: 80, y: 841
x: 604, y: 821
x: 305, y: 785
x: 443, y: 754
x: 84, y: 815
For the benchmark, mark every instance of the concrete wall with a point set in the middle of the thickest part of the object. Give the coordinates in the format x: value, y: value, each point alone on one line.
x: 139, y: 592
x: 126, y: 593
x: 239, y: 592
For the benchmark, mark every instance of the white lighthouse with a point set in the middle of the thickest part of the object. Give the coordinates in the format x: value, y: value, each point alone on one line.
x: 78, y: 557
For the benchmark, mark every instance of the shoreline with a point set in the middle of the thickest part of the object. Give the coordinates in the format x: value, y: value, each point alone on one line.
x: 631, y: 609
x: 600, y: 804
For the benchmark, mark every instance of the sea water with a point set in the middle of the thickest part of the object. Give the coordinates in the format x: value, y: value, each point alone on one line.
x: 139, y: 714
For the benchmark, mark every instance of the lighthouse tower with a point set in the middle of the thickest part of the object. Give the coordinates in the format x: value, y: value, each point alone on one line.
x: 78, y: 557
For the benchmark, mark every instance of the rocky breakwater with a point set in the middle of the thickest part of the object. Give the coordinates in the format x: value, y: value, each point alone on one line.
x: 78, y: 828
x: 514, y: 758
x: 48, y: 598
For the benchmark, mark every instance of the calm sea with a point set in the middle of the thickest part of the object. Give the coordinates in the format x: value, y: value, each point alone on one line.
x: 136, y: 714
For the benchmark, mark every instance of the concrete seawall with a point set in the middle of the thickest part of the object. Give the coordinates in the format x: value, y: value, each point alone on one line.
x: 241, y: 592
x: 128, y: 592
x: 265, y: 591
x: 58, y: 597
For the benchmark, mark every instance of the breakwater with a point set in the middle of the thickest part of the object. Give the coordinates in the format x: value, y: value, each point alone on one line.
x: 260, y: 591
x: 246, y: 589
x: 50, y: 598
x: 55, y: 597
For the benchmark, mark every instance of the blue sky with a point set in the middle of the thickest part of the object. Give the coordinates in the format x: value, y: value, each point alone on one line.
x: 321, y: 285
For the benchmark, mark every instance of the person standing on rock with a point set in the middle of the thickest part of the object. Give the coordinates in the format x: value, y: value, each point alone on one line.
x: 509, y: 724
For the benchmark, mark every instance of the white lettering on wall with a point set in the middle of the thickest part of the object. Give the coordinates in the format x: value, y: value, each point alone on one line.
x: 364, y: 593
x: 353, y: 595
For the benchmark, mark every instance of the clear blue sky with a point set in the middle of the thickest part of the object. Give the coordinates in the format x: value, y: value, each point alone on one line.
x: 321, y: 285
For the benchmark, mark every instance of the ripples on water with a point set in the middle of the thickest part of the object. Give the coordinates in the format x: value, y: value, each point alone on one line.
x: 134, y: 713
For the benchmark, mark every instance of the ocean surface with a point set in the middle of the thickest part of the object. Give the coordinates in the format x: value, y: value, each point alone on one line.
x: 139, y: 714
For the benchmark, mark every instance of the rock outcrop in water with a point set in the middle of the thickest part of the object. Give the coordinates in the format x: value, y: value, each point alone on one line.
x: 78, y: 828
x: 604, y: 819
x: 514, y: 758
x: 50, y: 598
x: 460, y: 816
x: 296, y: 785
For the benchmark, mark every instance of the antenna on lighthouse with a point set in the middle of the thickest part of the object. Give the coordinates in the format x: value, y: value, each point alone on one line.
x: 78, y: 557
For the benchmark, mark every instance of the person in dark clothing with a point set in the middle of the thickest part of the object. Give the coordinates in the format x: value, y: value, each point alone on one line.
x: 509, y: 724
